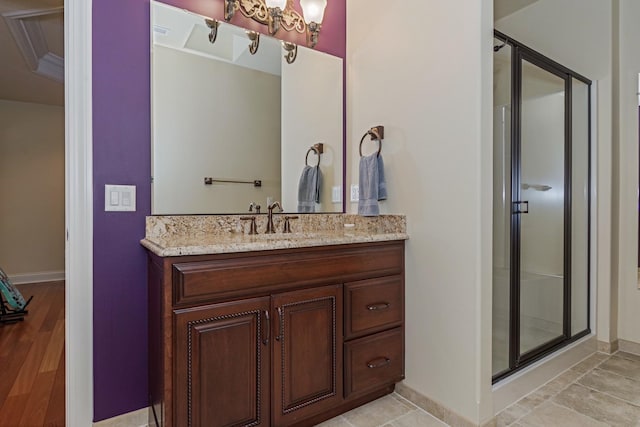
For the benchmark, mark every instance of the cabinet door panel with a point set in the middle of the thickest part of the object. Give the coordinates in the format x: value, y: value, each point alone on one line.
x: 222, y: 365
x: 307, y: 353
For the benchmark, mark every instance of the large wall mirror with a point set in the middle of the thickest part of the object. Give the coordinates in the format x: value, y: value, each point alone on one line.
x: 230, y: 127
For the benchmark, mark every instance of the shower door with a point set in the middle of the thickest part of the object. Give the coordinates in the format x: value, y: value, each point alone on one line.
x: 541, y: 207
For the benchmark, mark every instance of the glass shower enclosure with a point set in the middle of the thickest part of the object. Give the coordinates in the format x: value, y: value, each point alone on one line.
x: 541, y: 206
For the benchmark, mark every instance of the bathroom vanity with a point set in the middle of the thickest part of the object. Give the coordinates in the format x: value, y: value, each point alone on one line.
x: 272, y: 330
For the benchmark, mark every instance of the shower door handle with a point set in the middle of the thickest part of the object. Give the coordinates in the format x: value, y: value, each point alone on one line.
x: 521, y: 207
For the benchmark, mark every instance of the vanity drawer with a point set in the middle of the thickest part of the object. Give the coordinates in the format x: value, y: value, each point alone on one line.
x: 373, y: 305
x: 373, y: 361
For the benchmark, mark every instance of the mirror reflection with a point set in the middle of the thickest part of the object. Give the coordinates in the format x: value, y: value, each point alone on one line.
x: 230, y: 127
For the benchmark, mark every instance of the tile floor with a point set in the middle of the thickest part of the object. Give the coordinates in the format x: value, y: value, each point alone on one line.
x: 600, y: 391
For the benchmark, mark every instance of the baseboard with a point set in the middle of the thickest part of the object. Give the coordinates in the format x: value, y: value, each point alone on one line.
x: 139, y: 418
x: 608, y: 347
x: 629, y: 346
x: 436, y: 409
x: 43, y: 276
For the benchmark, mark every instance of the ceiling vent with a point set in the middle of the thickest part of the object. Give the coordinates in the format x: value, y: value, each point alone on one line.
x: 26, y: 28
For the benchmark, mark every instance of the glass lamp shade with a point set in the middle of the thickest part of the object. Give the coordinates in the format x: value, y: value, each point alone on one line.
x: 313, y: 10
x: 276, y: 3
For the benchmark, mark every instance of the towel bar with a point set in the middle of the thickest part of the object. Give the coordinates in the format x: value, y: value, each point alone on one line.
x: 318, y: 149
x: 377, y: 134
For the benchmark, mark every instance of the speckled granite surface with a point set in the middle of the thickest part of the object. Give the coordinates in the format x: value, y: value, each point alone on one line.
x: 211, y: 234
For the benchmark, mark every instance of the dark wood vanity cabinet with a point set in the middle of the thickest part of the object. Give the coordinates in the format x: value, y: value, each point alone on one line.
x: 274, y: 338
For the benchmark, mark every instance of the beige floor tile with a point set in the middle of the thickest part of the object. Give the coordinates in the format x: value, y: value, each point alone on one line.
x: 621, y: 366
x: 629, y: 356
x: 335, y: 422
x: 404, y: 401
x: 533, y: 400
x: 510, y: 415
x: 417, y: 418
x: 563, y: 380
x: 377, y: 413
x: 550, y: 415
x: 599, y: 406
x: 590, y: 362
x: 613, y: 384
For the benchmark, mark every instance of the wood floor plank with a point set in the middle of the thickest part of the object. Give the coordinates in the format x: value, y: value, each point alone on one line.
x: 10, y: 367
x: 51, y: 357
x: 32, y: 390
x: 38, y: 401
x: 12, y: 409
x: 56, y: 411
x: 56, y: 306
x: 29, y: 369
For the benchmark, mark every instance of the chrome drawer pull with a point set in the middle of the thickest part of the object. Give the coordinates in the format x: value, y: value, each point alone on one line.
x: 378, y: 306
x: 383, y: 361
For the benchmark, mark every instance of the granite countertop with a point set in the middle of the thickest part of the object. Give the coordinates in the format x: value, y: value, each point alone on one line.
x: 216, y: 234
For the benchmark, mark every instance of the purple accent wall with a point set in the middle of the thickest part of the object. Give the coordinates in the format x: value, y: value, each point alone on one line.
x: 122, y: 155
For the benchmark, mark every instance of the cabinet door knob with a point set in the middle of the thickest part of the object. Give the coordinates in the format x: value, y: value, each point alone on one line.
x: 378, y: 363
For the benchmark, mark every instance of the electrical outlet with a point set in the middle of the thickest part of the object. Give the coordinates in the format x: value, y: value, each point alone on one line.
x: 355, y: 193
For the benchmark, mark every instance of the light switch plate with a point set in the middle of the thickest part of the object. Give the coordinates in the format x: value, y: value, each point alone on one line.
x: 355, y: 193
x: 336, y: 194
x: 119, y: 198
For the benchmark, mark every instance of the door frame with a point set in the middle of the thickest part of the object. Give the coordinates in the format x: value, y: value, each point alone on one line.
x: 78, y: 213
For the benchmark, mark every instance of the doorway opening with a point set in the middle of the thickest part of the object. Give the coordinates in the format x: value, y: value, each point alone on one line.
x: 32, y: 212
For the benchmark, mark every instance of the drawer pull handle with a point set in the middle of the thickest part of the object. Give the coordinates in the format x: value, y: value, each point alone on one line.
x: 378, y: 363
x: 279, y: 309
x: 378, y: 306
x: 268, y: 327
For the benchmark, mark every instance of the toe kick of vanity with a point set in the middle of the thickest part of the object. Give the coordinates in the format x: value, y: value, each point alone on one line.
x: 274, y: 338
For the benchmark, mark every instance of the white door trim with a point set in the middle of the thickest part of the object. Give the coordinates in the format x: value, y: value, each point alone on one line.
x: 78, y: 213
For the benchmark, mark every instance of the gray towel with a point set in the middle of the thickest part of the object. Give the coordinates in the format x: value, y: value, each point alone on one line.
x: 309, y: 189
x: 372, y: 185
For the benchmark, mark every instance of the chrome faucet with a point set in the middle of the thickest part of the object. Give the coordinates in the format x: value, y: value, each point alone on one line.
x: 254, y: 205
x: 270, y: 228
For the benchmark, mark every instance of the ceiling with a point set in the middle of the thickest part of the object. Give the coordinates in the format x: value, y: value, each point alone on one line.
x: 37, y: 75
x: 502, y: 8
x: 32, y: 51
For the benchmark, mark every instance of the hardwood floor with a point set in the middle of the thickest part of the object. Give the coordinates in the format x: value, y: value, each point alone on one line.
x: 32, y: 371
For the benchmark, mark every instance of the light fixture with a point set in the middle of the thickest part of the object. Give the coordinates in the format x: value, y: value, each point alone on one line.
x: 213, y: 25
x: 313, y: 11
x: 278, y: 14
x: 292, y: 51
x: 254, y: 36
x: 275, y: 8
x: 230, y: 7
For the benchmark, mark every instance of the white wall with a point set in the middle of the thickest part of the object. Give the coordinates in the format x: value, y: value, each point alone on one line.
x: 627, y: 212
x: 429, y: 82
x: 31, y: 188
x: 544, y: 26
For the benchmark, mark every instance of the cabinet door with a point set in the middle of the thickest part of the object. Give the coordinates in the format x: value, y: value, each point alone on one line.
x: 307, y: 353
x: 222, y: 365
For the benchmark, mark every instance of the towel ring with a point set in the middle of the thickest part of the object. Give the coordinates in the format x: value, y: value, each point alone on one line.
x: 373, y: 137
x: 315, y: 150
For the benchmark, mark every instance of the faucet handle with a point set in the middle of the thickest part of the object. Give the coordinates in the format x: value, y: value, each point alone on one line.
x: 287, y: 224
x: 254, y: 205
x: 253, y: 229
